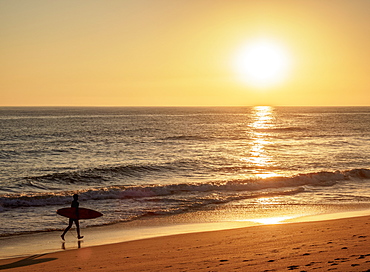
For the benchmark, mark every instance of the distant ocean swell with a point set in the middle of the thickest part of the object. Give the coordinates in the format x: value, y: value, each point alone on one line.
x: 216, y: 192
x: 109, y: 173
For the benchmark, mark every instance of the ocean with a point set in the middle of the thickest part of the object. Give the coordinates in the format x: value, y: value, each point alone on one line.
x: 201, y: 164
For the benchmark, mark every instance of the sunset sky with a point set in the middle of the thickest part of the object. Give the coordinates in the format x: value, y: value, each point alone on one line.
x: 184, y: 52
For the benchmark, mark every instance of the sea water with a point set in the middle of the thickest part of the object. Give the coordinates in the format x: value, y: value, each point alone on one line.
x: 200, y: 164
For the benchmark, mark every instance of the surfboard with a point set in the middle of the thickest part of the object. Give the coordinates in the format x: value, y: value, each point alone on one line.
x: 83, y: 213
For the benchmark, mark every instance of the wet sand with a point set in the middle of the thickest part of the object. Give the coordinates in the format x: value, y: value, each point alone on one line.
x: 332, y: 245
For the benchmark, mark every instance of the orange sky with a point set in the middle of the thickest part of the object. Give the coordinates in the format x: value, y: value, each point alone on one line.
x: 179, y: 52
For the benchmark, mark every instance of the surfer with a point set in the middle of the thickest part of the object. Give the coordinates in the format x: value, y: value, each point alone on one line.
x: 74, y: 204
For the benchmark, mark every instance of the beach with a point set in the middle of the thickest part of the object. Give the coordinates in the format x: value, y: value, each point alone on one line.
x: 184, y: 136
x: 328, y: 245
x: 181, y: 189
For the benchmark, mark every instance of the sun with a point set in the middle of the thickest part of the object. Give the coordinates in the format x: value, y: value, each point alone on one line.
x: 263, y: 63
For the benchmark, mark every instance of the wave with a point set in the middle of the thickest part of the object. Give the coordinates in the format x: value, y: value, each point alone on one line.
x: 107, y: 174
x: 97, y: 175
x: 216, y: 191
x: 281, y: 129
x: 188, y: 138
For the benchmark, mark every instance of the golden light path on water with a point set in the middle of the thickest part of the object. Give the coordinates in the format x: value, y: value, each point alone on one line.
x: 263, y: 123
x: 261, y: 127
x: 269, y: 210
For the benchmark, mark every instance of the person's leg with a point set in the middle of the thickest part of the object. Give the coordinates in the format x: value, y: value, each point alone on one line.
x: 78, y: 229
x: 67, y: 228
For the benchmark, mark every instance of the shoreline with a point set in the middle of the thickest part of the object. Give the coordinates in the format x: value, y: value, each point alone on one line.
x: 49, y: 242
x: 339, y: 244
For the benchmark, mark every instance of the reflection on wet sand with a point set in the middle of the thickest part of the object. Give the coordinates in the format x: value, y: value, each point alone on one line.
x: 79, y: 242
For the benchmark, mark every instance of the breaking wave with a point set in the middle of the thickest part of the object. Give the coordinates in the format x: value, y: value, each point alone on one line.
x: 216, y: 191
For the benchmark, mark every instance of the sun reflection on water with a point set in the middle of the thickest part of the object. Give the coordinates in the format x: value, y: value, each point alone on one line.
x: 263, y: 117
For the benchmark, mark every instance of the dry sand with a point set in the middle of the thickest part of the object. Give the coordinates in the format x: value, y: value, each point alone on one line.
x: 333, y: 245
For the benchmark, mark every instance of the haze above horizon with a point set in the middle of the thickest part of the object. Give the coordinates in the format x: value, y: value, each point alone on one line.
x: 184, y: 53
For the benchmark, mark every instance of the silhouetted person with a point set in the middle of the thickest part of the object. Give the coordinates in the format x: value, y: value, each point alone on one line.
x: 74, y: 204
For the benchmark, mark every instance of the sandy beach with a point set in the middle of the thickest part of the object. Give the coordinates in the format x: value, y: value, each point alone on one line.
x: 332, y: 245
